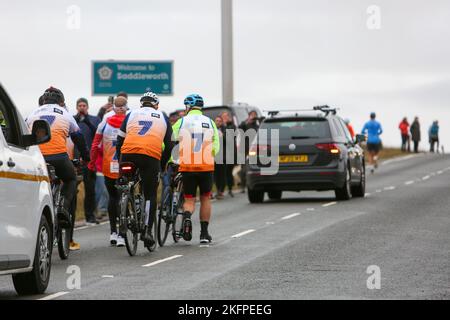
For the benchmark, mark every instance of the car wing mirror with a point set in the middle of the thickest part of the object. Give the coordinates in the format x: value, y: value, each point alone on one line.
x: 40, y: 133
x: 360, y: 138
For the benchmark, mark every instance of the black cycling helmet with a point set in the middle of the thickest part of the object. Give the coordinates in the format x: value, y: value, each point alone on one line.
x: 53, y: 95
x: 41, y: 100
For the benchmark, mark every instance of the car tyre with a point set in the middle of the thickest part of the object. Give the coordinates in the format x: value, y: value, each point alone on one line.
x: 36, y: 281
x: 360, y: 190
x: 255, y: 196
x: 344, y: 193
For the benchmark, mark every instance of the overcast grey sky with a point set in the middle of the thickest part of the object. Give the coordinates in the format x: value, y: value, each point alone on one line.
x: 288, y: 53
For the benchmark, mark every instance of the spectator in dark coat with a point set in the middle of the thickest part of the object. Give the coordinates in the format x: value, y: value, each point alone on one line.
x: 219, y: 165
x: 415, y: 134
x: 252, y: 123
x: 88, y: 125
x: 229, y: 146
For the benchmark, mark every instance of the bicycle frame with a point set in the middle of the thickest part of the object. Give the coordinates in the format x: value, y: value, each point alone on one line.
x: 127, y: 189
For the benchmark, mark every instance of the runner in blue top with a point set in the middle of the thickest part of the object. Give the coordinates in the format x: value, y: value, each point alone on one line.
x: 374, y: 130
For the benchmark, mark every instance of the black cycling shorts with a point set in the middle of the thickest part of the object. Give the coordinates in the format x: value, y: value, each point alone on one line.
x: 194, y: 180
x: 373, y: 147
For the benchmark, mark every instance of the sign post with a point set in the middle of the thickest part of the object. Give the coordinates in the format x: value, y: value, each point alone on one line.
x: 134, y: 77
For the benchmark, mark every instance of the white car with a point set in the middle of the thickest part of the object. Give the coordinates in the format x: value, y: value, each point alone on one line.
x: 26, y: 205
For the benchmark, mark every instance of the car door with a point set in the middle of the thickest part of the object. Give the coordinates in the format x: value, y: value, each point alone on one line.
x: 18, y: 188
x: 4, y: 235
x: 354, y: 152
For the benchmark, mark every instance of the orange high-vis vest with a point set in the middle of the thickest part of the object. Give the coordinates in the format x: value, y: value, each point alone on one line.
x: 145, y: 131
x: 198, y: 142
x: 62, y: 124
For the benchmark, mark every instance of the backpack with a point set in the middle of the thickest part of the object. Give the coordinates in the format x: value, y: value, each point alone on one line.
x: 434, y: 130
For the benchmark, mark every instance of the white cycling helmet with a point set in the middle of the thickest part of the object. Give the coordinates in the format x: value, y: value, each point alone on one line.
x: 149, y: 98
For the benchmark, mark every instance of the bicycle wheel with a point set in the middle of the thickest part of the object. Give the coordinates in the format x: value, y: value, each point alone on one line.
x: 164, y: 216
x: 128, y: 224
x: 63, y: 236
x: 177, y: 223
x: 155, y: 230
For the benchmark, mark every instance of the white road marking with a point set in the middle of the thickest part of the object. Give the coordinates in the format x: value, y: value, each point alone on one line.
x: 440, y: 172
x: 270, y: 222
x: 162, y: 260
x: 329, y: 204
x: 378, y: 191
x: 107, y: 276
x: 389, y: 188
x: 291, y: 216
x: 367, y: 194
x: 104, y: 222
x: 81, y: 228
x: 409, y: 182
x: 54, y: 296
x: 399, y: 159
x: 243, y: 233
x: 426, y: 178
x: 310, y: 209
x: 204, y: 246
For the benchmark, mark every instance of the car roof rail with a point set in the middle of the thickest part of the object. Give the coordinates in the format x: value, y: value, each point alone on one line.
x: 273, y: 113
x: 326, y: 109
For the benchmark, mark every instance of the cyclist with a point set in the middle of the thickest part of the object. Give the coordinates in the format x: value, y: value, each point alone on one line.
x: 374, y: 130
x: 145, y: 140
x: 106, y: 136
x: 62, y: 125
x: 198, y: 144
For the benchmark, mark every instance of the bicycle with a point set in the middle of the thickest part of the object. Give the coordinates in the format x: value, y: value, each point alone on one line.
x: 132, y: 217
x: 171, y: 209
x: 61, y: 237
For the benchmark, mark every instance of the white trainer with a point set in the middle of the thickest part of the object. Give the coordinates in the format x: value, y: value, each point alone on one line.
x: 113, y: 239
x: 120, y: 241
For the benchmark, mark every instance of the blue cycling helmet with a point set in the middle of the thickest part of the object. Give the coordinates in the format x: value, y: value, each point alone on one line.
x: 194, y: 101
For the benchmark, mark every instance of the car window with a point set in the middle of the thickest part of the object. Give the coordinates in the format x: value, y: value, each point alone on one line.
x: 9, y: 126
x: 347, y: 134
x: 339, y: 130
x: 298, y: 128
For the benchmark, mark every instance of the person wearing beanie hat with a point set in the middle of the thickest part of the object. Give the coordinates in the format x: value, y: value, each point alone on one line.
x: 88, y: 125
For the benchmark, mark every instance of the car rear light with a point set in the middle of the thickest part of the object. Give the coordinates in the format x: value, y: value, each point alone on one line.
x: 330, y: 147
x: 255, y: 149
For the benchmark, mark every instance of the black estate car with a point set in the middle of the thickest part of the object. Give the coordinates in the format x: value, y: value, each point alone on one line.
x: 316, y: 152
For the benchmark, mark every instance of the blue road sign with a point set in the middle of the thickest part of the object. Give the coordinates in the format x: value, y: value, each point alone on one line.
x: 134, y: 77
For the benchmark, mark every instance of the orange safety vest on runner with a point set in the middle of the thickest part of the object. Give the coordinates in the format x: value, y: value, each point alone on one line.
x: 106, y: 136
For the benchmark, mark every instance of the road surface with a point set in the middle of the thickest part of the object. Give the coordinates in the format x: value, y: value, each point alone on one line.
x: 305, y: 246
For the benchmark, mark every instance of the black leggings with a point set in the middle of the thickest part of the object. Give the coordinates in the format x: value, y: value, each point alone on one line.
x: 113, y: 203
x: 220, y: 176
x: 229, y: 176
x: 149, y: 169
x: 65, y: 171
